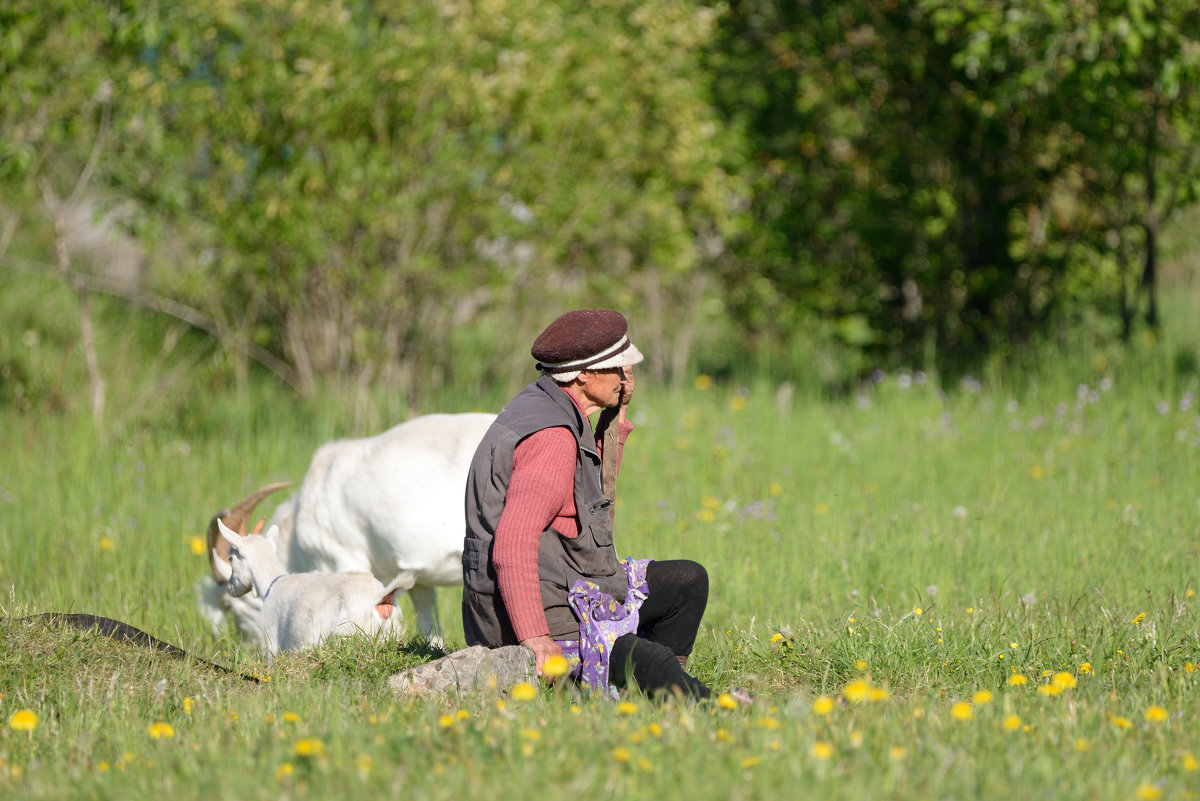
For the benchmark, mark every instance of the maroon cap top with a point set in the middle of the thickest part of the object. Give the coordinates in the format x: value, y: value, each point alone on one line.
x: 577, y: 336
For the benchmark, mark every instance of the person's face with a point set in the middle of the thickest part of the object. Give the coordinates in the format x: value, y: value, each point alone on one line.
x: 604, y: 386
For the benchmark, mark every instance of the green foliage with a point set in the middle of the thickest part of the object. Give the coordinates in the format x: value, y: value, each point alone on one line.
x: 958, y: 176
x: 358, y: 195
x: 347, y: 184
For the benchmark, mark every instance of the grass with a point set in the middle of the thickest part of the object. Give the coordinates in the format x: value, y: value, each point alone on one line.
x: 881, y: 567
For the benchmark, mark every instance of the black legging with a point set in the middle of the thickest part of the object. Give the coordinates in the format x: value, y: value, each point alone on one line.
x: 667, y: 625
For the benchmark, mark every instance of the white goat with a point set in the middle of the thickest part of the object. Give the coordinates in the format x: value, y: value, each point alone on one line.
x: 300, y: 610
x: 384, y: 505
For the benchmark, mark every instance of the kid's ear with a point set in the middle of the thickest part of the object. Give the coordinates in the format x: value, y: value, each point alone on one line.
x: 272, y: 534
x: 223, y: 569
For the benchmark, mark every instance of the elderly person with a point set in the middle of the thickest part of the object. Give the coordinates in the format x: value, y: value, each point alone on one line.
x: 539, y: 565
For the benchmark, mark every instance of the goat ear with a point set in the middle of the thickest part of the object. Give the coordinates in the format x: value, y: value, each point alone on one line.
x: 401, y: 583
x: 222, y: 568
x: 272, y: 534
x: 228, y: 534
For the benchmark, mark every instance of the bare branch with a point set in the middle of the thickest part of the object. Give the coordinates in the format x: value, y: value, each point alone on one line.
x: 93, y: 159
x: 172, y: 308
x: 86, y: 335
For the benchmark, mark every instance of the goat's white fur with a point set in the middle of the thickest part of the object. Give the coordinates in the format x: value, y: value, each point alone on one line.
x: 300, y: 610
x: 385, y: 505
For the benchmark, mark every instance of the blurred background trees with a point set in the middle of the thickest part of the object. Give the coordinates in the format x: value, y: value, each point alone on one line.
x: 401, y: 195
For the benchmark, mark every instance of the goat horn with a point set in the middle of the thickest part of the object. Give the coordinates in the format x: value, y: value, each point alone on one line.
x: 235, y: 519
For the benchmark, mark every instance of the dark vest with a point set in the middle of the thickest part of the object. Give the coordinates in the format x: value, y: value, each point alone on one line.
x: 561, y: 560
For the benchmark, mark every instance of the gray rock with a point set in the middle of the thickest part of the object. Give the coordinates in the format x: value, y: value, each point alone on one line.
x: 474, y: 668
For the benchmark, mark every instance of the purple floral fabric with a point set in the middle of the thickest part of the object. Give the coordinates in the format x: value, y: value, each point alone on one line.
x: 601, y: 621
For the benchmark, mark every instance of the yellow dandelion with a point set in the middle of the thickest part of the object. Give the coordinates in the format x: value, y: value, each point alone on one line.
x: 706, y: 516
x: 1190, y: 593
x: 750, y: 761
x: 1012, y: 723
x: 1188, y: 763
x: 860, y: 664
x: 308, y: 747
x: 555, y: 666
x: 877, y: 694
x: 107, y: 544
x: 1137, y: 621
x: 709, y: 502
x: 1149, y: 792
x: 523, y: 691
x: 1050, y: 690
x: 531, y: 734
x: 981, y: 697
x: 197, y: 545
x: 918, y: 611
x: 1156, y: 714
x: 1121, y: 722
x: 726, y: 701
x: 446, y: 721
x: 821, y: 508
x: 1085, y: 668
x: 1013, y: 646
x: 768, y: 723
x: 23, y: 720
x: 188, y: 703
x: 702, y: 382
x: 290, y: 717
x: 822, y: 750
x: 1037, y: 471
x: 1063, y: 681
x: 737, y: 403
x: 970, y: 610
x: 823, y: 705
x: 1016, y: 680
x: 776, y: 637
x: 723, y: 735
x: 1082, y: 744
x: 776, y: 489
x: 284, y: 770
x: 857, y: 690
x: 1189, y: 667
x: 621, y: 754
x: 644, y: 765
x: 655, y: 729
x: 364, y: 763
x: 898, y: 752
x: 962, y: 711
x: 626, y: 708
x: 160, y: 731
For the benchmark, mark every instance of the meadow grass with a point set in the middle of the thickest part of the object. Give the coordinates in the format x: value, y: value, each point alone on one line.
x: 882, y: 566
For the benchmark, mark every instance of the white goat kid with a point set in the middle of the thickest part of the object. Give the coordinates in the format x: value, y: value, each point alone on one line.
x: 384, y: 505
x: 300, y: 610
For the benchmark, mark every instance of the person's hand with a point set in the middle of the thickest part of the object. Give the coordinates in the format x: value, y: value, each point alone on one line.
x: 543, y: 648
x: 626, y: 389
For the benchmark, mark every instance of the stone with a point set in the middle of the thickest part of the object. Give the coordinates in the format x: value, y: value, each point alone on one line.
x: 474, y: 668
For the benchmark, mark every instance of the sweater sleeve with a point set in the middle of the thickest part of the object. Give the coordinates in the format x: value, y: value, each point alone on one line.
x: 543, y: 479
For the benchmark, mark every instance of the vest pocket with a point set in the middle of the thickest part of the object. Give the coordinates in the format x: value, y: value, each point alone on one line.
x: 478, y: 574
x: 598, y: 523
